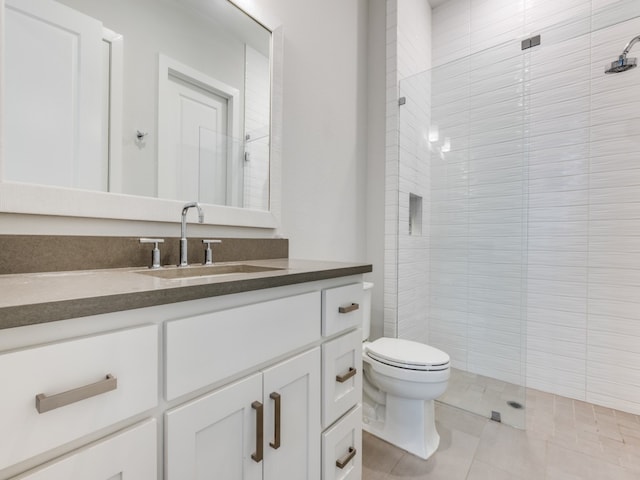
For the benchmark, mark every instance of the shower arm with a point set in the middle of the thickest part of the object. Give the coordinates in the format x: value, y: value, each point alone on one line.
x: 631, y: 43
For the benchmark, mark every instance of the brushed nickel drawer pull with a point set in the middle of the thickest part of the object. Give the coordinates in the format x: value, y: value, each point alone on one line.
x: 276, y: 441
x: 351, y: 308
x: 45, y: 404
x: 343, y: 378
x: 259, y: 408
x: 342, y: 462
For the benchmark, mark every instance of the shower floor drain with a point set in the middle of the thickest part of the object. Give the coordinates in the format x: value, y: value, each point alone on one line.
x: 514, y: 404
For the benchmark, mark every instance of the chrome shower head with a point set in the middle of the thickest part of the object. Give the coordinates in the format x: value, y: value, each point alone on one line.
x: 623, y: 63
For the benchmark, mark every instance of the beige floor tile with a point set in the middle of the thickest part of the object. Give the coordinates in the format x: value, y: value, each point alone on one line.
x: 368, y: 474
x: 483, y: 471
x: 512, y: 450
x: 609, y: 430
x: 483, y: 395
x: 564, y: 413
x: 540, y: 430
x: 564, y: 464
x: 630, y: 435
x: 565, y: 439
x: 585, y: 422
x: 613, y: 450
x: 378, y: 457
x: 539, y: 398
x: 411, y: 467
x: 560, y: 401
x: 627, y: 419
x: 455, y: 418
x: 632, y: 463
x: 584, y: 407
x: 451, y: 461
x: 603, y: 413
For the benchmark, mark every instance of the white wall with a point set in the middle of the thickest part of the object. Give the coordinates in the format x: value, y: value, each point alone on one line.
x: 376, y: 43
x: 325, y: 127
x: 581, y: 264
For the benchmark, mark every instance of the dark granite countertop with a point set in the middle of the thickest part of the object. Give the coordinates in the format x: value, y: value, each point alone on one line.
x: 32, y: 298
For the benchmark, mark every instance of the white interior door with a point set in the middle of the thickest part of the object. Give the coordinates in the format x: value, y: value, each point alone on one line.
x: 198, y: 138
x: 53, y: 85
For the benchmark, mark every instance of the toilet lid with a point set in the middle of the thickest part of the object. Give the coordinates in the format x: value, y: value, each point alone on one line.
x: 407, y: 354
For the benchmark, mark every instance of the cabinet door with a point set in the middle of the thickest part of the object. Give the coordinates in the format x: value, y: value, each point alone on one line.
x: 128, y: 454
x: 214, y: 436
x: 297, y: 382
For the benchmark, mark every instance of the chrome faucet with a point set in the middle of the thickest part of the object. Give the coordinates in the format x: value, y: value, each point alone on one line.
x: 183, y: 231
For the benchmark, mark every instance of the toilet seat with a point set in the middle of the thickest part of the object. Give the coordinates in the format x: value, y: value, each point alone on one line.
x: 407, y: 354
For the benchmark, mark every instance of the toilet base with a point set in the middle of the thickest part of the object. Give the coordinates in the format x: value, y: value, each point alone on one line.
x: 406, y: 423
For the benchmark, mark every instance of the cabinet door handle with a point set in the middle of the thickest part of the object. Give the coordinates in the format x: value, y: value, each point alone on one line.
x: 259, y: 408
x: 342, y: 462
x: 276, y: 441
x: 346, y: 376
x: 45, y: 404
x: 349, y: 308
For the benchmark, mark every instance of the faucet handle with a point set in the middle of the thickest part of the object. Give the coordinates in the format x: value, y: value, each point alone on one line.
x: 208, y: 254
x: 155, y: 253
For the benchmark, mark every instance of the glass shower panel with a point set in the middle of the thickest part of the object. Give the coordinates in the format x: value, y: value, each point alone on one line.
x: 473, y: 126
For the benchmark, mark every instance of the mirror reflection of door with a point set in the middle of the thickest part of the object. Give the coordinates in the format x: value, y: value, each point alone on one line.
x: 53, y: 96
x: 197, y: 117
x: 197, y: 138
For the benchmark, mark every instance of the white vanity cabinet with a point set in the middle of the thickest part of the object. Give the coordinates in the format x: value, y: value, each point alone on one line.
x: 265, y: 426
x: 247, y: 386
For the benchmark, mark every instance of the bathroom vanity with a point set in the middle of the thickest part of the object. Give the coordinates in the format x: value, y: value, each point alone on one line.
x: 234, y: 376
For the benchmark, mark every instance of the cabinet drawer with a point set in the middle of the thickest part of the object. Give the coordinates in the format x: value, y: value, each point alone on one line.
x: 341, y: 376
x: 342, y: 448
x: 341, y: 308
x: 208, y: 348
x: 76, y: 399
x: 128, y: 454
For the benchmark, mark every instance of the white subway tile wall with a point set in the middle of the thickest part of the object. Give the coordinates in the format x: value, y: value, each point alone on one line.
x: 256, y: 141
x: 529, y: 167
x: 407, y: 172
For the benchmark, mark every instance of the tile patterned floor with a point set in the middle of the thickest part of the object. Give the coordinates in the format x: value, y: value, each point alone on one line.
x: 482, y: 395
x: 565, y: 440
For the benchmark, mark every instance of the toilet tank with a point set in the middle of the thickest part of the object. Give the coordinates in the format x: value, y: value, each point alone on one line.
x: 366, y: 309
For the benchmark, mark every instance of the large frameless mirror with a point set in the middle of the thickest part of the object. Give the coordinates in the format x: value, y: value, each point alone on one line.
x: 166, y: 100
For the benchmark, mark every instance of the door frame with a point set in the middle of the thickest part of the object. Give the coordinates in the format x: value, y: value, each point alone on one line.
x: 115, y: 42
x: 167, y: 67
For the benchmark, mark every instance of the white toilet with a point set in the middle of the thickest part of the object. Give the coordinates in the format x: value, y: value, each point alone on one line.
x: 401, y: 380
